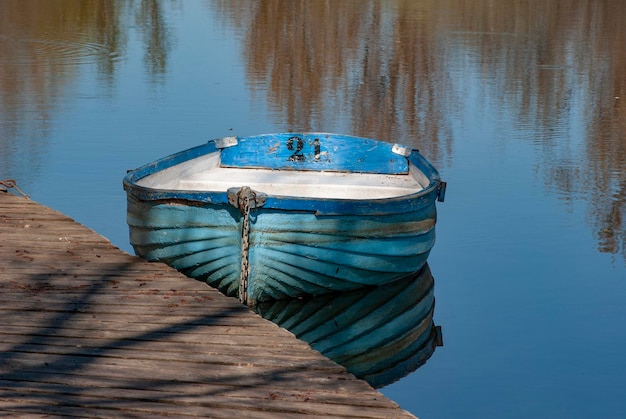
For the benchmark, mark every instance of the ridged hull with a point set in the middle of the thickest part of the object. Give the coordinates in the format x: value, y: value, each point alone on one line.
x: 379, y: 334
x: 291, y: 254
x: 203, y: 243
x: 364, y: 214
x: 294, y: 254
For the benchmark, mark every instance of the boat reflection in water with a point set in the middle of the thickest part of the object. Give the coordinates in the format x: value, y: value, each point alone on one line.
x: 379, y: 334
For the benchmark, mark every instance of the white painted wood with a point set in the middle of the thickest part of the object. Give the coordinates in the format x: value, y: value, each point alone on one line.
x: 204, y: 174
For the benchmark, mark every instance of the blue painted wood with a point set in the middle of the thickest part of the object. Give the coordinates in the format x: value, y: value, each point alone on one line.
x: 298, y: 246
x: 379, y: 334
x: 203, y: 243
x: 355, y: 251
x: 314, y: 151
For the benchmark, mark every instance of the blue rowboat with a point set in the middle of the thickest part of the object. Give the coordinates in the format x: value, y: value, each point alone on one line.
x: 285, y: 215
x: 379, y: 334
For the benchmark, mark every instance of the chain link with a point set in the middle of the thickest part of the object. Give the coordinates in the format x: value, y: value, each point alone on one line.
x: 243, y: 198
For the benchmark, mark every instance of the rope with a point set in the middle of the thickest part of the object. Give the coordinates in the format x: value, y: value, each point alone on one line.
x: 243, y: 200
x: 11, y: 184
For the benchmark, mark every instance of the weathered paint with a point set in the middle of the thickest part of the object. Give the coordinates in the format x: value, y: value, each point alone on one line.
x: 379, y: 334
x: 306, y: 251
x: 202, y: 242
x: 298, y: 246
x: 315, y: 151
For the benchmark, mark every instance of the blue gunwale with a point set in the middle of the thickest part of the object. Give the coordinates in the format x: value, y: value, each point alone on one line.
x: 324, y: 206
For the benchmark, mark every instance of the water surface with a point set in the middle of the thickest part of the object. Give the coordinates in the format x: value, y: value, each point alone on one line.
x: 521, y: 106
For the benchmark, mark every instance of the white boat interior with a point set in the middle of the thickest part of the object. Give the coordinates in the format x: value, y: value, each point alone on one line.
x: 205, y: 174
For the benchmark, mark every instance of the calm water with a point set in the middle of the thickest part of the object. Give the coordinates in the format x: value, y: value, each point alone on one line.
x: 520, y: 104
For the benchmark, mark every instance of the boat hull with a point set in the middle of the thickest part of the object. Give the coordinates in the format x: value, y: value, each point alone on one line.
x: 291, y: 254
x: 294, y: 246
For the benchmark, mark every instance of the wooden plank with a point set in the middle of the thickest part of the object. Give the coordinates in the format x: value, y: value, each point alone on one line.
x: 209, y: 355
x: 221, y: 323
x: 154, y: 384
x: 275, y: 405
x: 90, y: 331
x: 234, y: 389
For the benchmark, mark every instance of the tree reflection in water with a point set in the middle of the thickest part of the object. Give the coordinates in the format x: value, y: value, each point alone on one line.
x: 388, y: 65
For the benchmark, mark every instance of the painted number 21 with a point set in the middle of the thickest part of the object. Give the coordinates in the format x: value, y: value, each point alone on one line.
x: 297, y: 145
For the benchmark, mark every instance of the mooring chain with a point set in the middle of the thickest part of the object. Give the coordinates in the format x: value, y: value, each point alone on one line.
x: 243, y: 198
x: 11, y: 184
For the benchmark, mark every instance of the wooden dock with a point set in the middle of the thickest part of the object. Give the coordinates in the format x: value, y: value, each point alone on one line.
x: 87, y: 330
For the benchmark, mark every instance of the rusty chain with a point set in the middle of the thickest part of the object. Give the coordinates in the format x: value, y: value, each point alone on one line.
x: 243, y: 197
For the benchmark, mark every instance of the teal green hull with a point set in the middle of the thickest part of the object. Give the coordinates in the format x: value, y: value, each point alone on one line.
x: 294, y: 246
x: 291, y: 254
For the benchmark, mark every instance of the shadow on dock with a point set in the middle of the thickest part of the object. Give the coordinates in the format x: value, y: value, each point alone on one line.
x: 90, y: 330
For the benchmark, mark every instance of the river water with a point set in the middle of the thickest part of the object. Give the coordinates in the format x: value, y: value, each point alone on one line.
x: 521, y: 105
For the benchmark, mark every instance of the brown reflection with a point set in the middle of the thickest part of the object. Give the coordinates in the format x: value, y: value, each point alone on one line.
x: 374, y: 61
x: 607, y: 144
x: 156, y: 35
x: 546, y: 59
x: 43, y: 46
x: 41, y: 42
x: 389, y: 66
x: 606, y: 173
